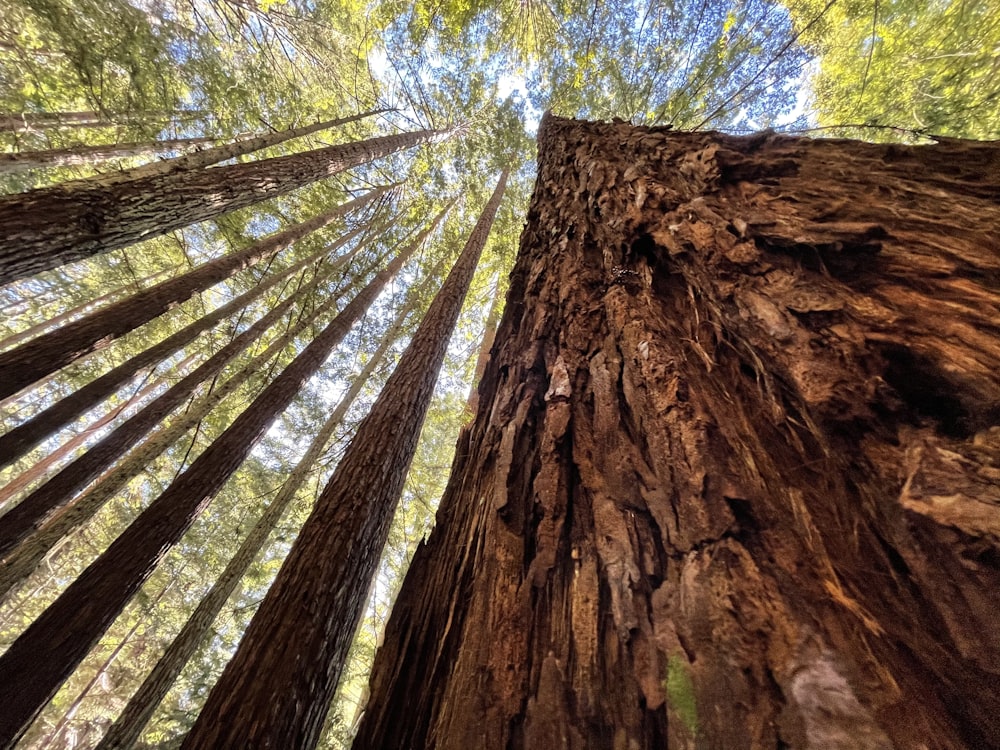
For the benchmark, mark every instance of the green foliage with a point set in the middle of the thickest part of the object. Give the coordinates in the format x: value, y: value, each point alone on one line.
x: 680, y: 692
x: 924, y: 65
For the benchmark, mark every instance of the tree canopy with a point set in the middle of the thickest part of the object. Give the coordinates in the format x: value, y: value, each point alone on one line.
x: 93, y: 89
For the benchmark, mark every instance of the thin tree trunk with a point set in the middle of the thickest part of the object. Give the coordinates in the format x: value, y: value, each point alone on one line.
x: 67, y: 630
x: 335, y: 556
x: 37, y: 358
x: 60, y: 727
x: 33, y: 511
x: 75, y: 312
x: 733, y: 479
x: 29, y: 554
x: 209, y: 156
x: 77, y: 156
x: 489, y: 336
x: 47, y: 228
x: 129, y: 725
x: 38, y: 469
x: 25, y: 436
x: 26, y: 122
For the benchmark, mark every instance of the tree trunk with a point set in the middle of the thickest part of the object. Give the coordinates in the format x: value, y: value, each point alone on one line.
x: 334, y: 557
x: 67, y: 630
x: 35, y: 509
x: 37, y: 358
x: 27, y: 435
x: 129, y: 725
x: 77, y: 156
x: 41, y: 467
x: 27, y: 556
x: 26, y: 122
x: 214, y: 155
x: 47, y: 228
x: 75, y: 312
x: 483, y: 356
x: 733, y: 479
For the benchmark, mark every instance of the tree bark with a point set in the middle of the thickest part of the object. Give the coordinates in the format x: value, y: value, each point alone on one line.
x: 334, y: 557
x: 733, y: 478
x: 52, y: 351
x: 66, y: 631
x: 46, y: 228
x: 35, y: 509
x: 30, y: 433
x: 129, y: 725
x: 77, y: 156
x: 483, y: 356
x: 75, y: 312
x: 209, y: 156
x: 29, y: 554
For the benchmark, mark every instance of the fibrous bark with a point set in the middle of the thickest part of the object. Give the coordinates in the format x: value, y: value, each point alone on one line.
x: 733, y: 480
x: 47, y: 652
x: 49, y: 227
x: 302, y: 649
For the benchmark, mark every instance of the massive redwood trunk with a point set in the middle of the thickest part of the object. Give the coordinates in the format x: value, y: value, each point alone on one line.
x: 733, y: 481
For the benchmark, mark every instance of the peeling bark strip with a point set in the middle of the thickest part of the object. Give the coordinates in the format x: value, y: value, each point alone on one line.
x: 733, y: 480
x: 46, y: 228
x: 302, y: 649
x: 50, y: 352
x: 67, y: 630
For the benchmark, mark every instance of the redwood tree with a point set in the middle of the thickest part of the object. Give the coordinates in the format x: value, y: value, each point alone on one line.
x: 45, y: 654
x: 47, y: 228
x: 302, y: 649
x: 733, y: 478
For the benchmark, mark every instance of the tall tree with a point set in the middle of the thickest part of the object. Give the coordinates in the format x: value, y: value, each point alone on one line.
x: 239, y: 147
x: 52, y: 351
x: 333, y: 559
x: 67, y: 630
x: 75, y: 156
x: 130, y: 723
x: 732, y: 481
x: 35, y: 509
x: 29, y: 553
x: 46, y: 228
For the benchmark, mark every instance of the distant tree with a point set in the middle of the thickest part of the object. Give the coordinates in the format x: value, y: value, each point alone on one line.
x: 48, y: 353
x: 334, y: 557
x: 46, y: 228
x: 75, y: 621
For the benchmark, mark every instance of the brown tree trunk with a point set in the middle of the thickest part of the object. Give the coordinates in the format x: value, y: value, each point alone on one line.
x: 26, y: 122
x: 76, y: 156
x: 733, y: 479
x: 130, y: 723
x: 335, y: 555
x: 214, y: 155
x: 483, y: 356
x: 52, y: 351
x: 27, y: 435
x: 26, y: 557
x: 35, y: 509
x: 78, y: 311
x: 37, y: 663
x: 47, y: 228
